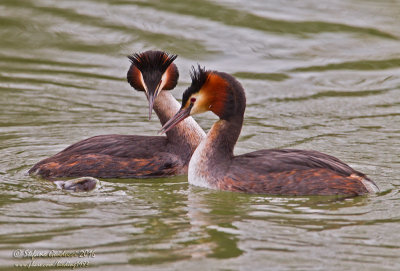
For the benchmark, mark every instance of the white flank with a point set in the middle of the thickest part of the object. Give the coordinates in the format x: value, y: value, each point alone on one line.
x: 371, y: 187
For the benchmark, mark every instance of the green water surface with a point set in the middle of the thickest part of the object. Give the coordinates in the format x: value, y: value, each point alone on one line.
x: 322, y: 75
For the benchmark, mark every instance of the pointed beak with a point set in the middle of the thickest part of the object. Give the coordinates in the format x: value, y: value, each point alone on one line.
x: 151, y: 97
x: 182, y: 114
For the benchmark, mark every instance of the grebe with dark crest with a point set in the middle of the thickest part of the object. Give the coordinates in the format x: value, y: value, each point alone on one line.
x: 272, y: 171
x: 133, y: 156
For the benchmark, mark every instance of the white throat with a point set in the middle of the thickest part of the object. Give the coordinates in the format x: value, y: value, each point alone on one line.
x: 197, y: 172
x: 188, y: 131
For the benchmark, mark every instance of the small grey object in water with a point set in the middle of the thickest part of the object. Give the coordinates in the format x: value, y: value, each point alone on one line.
x: 83, y: 184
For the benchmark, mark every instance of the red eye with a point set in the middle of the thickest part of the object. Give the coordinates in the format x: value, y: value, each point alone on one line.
x: 192, y: 100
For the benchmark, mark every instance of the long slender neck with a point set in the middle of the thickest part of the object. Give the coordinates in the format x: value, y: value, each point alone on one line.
x: 224, y: 133
x: 222, y: 138
x: 187, y: 132
x: 212, y: 158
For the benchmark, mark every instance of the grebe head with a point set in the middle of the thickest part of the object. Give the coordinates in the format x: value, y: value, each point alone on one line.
x: 212, y: 91
x: 152, y: 72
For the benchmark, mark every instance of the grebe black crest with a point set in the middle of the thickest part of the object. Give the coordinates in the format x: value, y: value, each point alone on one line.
x: 151, y: 72
x: 133, y: 156
x: 271, y: 171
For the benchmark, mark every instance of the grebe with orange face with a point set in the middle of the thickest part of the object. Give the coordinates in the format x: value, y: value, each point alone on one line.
x: 272, y: 171
x: 133, y: 156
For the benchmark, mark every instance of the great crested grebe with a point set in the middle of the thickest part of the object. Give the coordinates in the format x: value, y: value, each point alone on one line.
x: 133, y: 156
x: 273, y: 171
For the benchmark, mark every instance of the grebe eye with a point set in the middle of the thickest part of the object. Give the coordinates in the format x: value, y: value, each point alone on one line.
x: 192, y: 100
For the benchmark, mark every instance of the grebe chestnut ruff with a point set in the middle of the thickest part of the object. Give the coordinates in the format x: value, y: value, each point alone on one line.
x: 132, y: 156
x: 273, y: 171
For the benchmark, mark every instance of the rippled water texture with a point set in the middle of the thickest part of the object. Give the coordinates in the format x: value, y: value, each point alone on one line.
x: 320, y: 75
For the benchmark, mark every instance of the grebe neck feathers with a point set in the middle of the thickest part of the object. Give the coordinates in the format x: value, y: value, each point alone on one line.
x: 188, y: 132
x: 269, y: 171
x: 222, y: 94
x: 154, y: 73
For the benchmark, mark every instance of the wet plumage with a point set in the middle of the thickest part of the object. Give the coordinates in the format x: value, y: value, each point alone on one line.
x: 133, y: 156
x: 290, y: 172
x: 273, y: 171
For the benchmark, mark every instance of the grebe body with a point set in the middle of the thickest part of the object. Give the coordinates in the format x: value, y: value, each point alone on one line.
x: 271, y: 171
x: 133, y: 156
